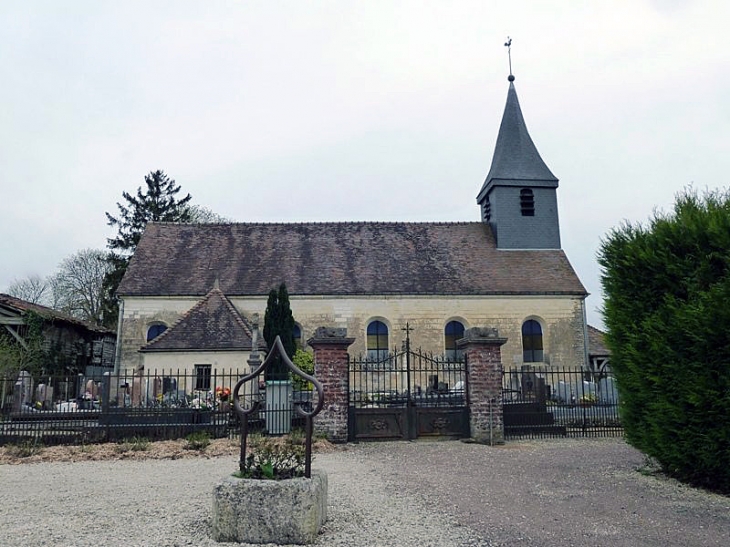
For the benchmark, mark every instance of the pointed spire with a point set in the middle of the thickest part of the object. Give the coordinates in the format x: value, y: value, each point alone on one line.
x: 516, y: 161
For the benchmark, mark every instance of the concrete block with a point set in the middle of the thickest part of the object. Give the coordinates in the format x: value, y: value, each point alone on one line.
x: 268, y: 511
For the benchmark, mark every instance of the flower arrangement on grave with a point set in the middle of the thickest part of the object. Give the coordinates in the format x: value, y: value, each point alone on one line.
x: 201, y: 400
x: 222, y: 393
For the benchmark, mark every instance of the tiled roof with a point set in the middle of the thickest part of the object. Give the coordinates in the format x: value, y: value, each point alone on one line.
x: 516, y: 159
x: 212, y: 324
x: 19, y: 306
x: 596, y: 345
x: 351, y: 258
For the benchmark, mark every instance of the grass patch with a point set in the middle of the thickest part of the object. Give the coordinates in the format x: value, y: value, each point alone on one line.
x: 200, y: 440
x: 650, y: 467
x: 25, y: 449
x: 134, y: 444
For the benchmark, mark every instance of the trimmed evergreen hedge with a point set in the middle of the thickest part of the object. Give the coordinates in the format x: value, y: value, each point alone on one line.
x: 667, y: 312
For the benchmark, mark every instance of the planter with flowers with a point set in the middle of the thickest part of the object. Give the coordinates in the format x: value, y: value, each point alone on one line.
x: 275, y: 497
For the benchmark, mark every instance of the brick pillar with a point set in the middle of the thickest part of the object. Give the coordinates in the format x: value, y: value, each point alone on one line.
x: 482, y: 347
x: 331, y: 369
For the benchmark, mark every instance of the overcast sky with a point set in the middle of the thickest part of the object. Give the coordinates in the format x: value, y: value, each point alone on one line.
x: 351, y: 111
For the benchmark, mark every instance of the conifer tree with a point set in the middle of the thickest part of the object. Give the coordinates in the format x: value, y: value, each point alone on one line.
x: 279, y: 321
x: 158, y: 202
x: 667, y: 288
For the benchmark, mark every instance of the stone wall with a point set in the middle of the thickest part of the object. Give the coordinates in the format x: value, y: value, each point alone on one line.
x: 561, y: 319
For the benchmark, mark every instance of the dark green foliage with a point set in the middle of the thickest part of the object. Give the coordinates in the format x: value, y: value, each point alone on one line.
x: 110, y: 307
x: 279, y: 321
x: 667, y: 312
x: 34, y: 357
x: 305, y: 361
x: 158, y: 203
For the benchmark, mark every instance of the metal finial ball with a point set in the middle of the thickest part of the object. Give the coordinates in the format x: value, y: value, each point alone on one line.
x: 511, y: 78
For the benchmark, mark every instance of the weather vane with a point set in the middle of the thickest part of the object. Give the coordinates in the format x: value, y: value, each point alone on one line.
x: 508, y: 45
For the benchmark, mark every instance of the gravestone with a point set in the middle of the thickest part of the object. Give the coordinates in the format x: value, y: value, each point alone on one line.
x: 22, y: 391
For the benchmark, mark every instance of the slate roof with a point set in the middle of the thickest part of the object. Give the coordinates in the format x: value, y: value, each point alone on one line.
x: 212, y: 324
x: 18, y: 306
x: 350, y: 258
x: 516, y: 158
x: 596, y: 345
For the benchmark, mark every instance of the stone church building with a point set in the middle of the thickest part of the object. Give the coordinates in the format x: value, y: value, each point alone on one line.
x: 191, y: 291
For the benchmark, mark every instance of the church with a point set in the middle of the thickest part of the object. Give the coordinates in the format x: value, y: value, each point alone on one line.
x: 193, y: 291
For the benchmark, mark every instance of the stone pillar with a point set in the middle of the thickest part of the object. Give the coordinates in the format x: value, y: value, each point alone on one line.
x: 331, y: 369
x: 254, y: 360
x: 484, y: 361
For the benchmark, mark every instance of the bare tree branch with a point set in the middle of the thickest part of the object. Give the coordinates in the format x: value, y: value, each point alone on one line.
x: 78, y: 284
x: 33, y: 288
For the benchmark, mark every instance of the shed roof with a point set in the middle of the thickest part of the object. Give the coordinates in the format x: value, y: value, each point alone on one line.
x: 19, y: 307
x: 350, y: 258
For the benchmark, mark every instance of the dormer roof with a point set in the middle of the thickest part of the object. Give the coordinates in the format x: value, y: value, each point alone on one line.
x: 213, y: 324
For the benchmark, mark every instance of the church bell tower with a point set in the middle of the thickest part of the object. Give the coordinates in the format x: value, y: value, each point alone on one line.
x: 519, y: 196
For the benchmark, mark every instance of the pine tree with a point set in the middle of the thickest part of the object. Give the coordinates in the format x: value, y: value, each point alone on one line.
x: 158, y: 203
x: 279, y: 321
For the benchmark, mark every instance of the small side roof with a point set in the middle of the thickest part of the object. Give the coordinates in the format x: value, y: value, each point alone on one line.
x: 213, y: 324
x: 596, y: 345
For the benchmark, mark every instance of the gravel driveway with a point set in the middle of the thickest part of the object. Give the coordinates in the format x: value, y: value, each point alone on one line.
x: 538, y: 493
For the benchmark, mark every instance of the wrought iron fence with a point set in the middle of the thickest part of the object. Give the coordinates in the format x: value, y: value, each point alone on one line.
x: 550, y: 402
x: 154, y: 404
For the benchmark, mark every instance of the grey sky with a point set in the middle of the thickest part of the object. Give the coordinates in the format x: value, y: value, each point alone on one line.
x: 320, y: 111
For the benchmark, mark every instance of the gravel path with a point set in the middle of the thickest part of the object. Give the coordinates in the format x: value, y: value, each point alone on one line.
x: 539, y: 493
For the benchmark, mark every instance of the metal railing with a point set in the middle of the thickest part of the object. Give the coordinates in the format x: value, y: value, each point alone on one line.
x: 154, y: 404
x: 541, y: 401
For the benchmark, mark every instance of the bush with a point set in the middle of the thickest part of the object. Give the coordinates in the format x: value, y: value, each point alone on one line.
x: 667, y: 307
x: 305, y: 361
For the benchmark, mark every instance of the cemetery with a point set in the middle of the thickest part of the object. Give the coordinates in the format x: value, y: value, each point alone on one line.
x: 407, y: 395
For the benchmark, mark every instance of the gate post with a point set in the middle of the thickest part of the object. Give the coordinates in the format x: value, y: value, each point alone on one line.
x: 331, y: 369
x: 482, y: 348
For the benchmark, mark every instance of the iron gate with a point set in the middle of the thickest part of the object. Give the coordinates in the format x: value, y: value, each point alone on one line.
x: 407, y: 394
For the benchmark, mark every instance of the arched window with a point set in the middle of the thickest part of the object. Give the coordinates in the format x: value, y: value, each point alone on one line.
x: 377, y: 341
x: 297, y: 335
x: 527, y: 203
x: 531, y: 342
x: 454, y: 331
x: 155, y: 330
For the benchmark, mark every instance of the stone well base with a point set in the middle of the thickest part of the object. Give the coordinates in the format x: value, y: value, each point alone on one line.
x: 267, y: 511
